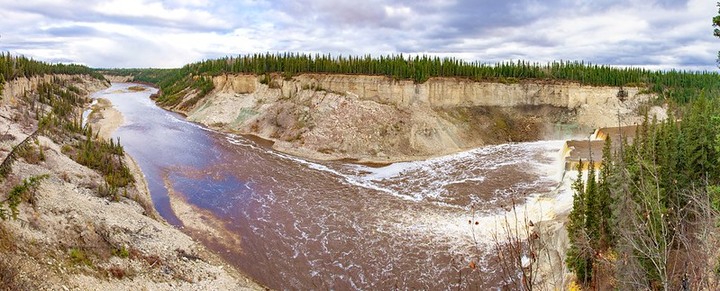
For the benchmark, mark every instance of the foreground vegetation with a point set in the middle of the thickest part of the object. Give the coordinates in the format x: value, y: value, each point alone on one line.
x: 64, y: 124
x: 679, y: 86
x: 649, y: 219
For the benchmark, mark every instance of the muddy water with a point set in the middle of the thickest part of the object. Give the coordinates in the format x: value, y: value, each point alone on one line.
x: 333, y: 225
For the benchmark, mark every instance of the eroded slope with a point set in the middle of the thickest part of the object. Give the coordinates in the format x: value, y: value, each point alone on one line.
x: 378, y: 119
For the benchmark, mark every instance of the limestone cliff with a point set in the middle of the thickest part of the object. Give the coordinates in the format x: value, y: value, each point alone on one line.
x: 376, y: 118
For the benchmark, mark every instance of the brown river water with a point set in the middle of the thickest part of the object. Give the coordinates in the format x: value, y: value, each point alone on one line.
x: 336, y: 225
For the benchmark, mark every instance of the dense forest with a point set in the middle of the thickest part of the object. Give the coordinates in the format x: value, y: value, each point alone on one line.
x: 680, y: 86
x: 649, y: 218
x: 12, y: 67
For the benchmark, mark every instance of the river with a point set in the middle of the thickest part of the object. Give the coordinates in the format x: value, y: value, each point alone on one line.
x: 335, y: 225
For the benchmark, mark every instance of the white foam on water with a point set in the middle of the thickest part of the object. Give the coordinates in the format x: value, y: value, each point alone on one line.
x: 430, y: 178
x: 419, y: 180
x: 463, y: 232
x: 347, y: 178
x: 466, y: 234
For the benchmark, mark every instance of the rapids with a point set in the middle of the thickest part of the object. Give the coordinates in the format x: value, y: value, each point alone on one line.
x: 335, y: 225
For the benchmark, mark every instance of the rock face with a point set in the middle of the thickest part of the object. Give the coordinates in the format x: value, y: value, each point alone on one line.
x: 378, y: 119
x: 20, y: 86
x: 118, y: 79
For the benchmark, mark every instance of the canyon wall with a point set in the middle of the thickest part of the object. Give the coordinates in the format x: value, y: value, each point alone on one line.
x: 20, y: 86
x: 378, y: 119
x: 436, y: 92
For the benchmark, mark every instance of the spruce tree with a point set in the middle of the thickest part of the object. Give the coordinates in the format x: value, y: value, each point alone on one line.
x: 606, y: 237
x: 577, y: 258
x: 592, y: 209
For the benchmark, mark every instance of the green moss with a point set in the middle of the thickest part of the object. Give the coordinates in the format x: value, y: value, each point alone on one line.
x: 79, y: 257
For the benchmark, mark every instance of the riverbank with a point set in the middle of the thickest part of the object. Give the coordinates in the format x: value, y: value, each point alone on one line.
x: 68, y: 236
x: 105, y: 119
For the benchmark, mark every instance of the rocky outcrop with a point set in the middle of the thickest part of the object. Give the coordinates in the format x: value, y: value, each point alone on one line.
x: 378, y: 119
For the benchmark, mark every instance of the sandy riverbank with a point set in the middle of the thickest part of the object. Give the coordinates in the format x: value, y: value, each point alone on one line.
x: 104, y: 118
x: 200, y: 223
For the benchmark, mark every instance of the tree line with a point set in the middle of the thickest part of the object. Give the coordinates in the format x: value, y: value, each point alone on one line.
x: 680, y: 86
x: 12, y: 67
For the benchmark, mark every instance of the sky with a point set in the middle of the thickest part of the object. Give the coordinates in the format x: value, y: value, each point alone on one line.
x: 655, y: 34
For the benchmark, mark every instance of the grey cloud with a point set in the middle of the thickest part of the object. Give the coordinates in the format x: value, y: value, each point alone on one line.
x: 488, y: 30
x: 19, y: 45
x: 329, y: 12
x: 73, y: 31
x: 672, y: 3
x: 62, y: 60
x: 697, y: 61
x: 478, y: 26
x: 81, y: 12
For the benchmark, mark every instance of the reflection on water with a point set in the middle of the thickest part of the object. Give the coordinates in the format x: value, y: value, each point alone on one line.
x: 308, y: 225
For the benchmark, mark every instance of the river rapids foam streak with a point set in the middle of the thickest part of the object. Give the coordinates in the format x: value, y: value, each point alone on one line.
x: 333, y: 225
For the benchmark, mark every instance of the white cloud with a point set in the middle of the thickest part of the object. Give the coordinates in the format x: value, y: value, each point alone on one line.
x: 141, y: 9
x: 170, y: 33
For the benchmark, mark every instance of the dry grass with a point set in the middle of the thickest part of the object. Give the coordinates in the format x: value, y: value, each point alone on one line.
x: 12, y: 279
x: 10, y: 276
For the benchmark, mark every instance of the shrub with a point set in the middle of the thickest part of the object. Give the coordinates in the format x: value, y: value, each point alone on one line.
x: 18, y: 194
x: 121, y: 252
x: 79, y: 257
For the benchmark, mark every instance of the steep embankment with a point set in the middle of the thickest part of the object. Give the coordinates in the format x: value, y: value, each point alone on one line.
x: 378, y: 119
x: 67, y: 236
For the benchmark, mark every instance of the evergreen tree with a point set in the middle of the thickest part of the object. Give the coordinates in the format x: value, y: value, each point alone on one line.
x: 716, y: 24
x: 592, y: 209
x: 606, y: 238
x: 577, y: 258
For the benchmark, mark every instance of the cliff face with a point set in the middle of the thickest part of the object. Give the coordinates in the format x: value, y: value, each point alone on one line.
x: 20, y: 86
x: 436, y: 92
x: 375, y: 118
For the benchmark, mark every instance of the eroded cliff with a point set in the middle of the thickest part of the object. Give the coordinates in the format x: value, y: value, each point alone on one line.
x: 378, y: 119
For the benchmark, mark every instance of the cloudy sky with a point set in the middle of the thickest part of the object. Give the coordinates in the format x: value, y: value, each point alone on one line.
x: 657, y: 34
